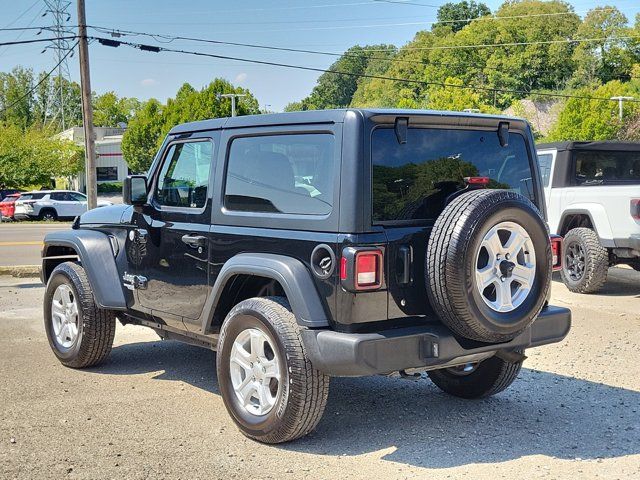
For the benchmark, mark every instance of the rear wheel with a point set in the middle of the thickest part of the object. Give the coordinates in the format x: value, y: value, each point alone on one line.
x: 586, y: 262
x: 268, y: 384
x: 48, y: 215
x: 478, y: 380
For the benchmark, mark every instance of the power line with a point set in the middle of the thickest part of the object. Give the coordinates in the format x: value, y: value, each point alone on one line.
x: 42, y: 80
x: 170, y: 38
x: 22, y: 14
x: 37, y: 40
x: 165, y: 38
x: 157, y: 49
x: 408, y: 3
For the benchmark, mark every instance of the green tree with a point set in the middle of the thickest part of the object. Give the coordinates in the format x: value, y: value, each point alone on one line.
x: 151, y: 123
x: 455, y: 98
x: 582, y: 119
x: 15, y: 102
x: 110, y: 110
x: 33, y: 157
x: 607, y: 59
x: 140, y: 140
x: 457, y: 15
x: 333, y: 90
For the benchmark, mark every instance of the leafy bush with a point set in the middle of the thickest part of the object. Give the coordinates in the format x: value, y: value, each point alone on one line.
x: 110, y: 187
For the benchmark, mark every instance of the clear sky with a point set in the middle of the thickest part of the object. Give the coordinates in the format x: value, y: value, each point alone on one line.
x: 329, y: 25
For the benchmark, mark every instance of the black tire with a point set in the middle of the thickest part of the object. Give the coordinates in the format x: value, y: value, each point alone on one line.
x: 302, y: 392
x: 592, y: 273
x: 452, y: 256
x: 489, y: 377
x: 96, y: 327
x: 48, y: 214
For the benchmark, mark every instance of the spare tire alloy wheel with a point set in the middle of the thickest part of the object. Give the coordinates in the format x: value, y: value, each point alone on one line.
x: 488, y: 266
x: 505, y: 266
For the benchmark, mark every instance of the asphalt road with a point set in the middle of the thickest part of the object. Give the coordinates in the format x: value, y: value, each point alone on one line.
x: 21, y: 242
x: 154, y: 409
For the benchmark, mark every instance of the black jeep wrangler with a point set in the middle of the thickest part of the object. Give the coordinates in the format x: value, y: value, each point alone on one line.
x: 306, y: 245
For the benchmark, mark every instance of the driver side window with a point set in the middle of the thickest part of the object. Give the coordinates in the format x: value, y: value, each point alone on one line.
x: 184, y: 177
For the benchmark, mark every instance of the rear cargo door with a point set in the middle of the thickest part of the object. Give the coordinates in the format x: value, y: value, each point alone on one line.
x: 412, y: 183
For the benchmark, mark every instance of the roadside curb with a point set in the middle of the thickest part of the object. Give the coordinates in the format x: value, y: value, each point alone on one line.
x: 21, y: 271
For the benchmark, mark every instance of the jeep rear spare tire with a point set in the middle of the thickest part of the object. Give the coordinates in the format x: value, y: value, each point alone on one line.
x: 488, y: 266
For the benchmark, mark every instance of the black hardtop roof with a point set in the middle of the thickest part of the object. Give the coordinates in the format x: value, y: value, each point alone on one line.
x: 610, y: 145
x: 314, y: 116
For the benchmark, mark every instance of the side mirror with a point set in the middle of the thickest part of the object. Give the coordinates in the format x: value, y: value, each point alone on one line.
x: 134, y: 190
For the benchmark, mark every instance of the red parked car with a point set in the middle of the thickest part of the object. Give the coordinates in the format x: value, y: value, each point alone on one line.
x: 8, y: 205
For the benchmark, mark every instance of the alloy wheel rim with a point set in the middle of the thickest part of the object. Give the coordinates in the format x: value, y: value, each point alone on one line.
x: 255, y: 371
x: 575, y: 261
x: 64, y: 316
x: 505, y: 267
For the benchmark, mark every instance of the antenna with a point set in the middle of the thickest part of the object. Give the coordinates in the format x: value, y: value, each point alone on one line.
x: 58, y: 11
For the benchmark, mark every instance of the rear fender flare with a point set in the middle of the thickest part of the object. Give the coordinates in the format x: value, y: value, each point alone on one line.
x: 97, y: 258
x: 293, y: 276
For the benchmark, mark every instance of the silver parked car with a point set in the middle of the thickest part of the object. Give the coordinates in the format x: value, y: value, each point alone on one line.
x: 52, y: 205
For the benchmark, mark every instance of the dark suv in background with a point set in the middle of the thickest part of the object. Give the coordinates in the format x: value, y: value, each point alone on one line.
x: 306, y: 245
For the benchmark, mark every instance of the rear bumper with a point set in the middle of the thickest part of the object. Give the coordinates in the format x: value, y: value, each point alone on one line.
x: 633, y: 242
x: 428, y: 347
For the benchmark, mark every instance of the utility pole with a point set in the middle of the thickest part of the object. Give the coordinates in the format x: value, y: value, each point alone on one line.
x: 620, y: 102
x: 87, y: 110
x: 233, y: 97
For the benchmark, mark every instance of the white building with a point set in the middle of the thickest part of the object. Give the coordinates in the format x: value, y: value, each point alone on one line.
x: 110, y: 165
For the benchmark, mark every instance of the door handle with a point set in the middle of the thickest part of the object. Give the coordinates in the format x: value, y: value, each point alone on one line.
x: 194, y: 240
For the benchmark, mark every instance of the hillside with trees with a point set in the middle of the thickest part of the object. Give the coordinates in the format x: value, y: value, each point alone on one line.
x: 530, y: 49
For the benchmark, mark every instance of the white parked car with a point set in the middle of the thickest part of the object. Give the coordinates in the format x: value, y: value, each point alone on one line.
x: 592, y: 192
x: 52, y: 205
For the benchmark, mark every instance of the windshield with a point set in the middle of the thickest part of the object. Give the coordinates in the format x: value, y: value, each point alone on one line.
x: 412, y: 181
x: 607, y: 168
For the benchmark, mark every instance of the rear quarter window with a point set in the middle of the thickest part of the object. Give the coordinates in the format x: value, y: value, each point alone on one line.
x: 412, y: 181
x: 287, y: 173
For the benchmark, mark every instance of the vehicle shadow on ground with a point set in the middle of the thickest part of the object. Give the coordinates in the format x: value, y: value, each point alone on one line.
x: 621, y: 282
x: 412, y: 422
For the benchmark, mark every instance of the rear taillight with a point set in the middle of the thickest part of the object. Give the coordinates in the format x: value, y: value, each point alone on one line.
x: 556, y: 252
x: 368, y: 271
x: 635, y: 208
x: 361, y: 268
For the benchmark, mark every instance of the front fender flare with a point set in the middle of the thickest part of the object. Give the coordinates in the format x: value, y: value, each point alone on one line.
x: 291, y: 273
x: 96, y: 256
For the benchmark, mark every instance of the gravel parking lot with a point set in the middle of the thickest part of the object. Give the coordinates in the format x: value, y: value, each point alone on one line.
x: 154, y: 410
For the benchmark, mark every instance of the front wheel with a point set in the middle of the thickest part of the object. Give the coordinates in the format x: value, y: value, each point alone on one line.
x: 79, y: 332
x: 478, y: 380
x: 268, y: 384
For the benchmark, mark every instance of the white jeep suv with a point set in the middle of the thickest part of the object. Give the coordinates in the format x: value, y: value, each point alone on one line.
x: 52, y: 205
x: 592, y: 192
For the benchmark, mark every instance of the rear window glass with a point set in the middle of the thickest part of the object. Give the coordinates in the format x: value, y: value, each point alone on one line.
x: 412, y: 181
x: 599, y: 168
x: 544, y: 160
x: 291, y: 174
x: 32, y: 196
